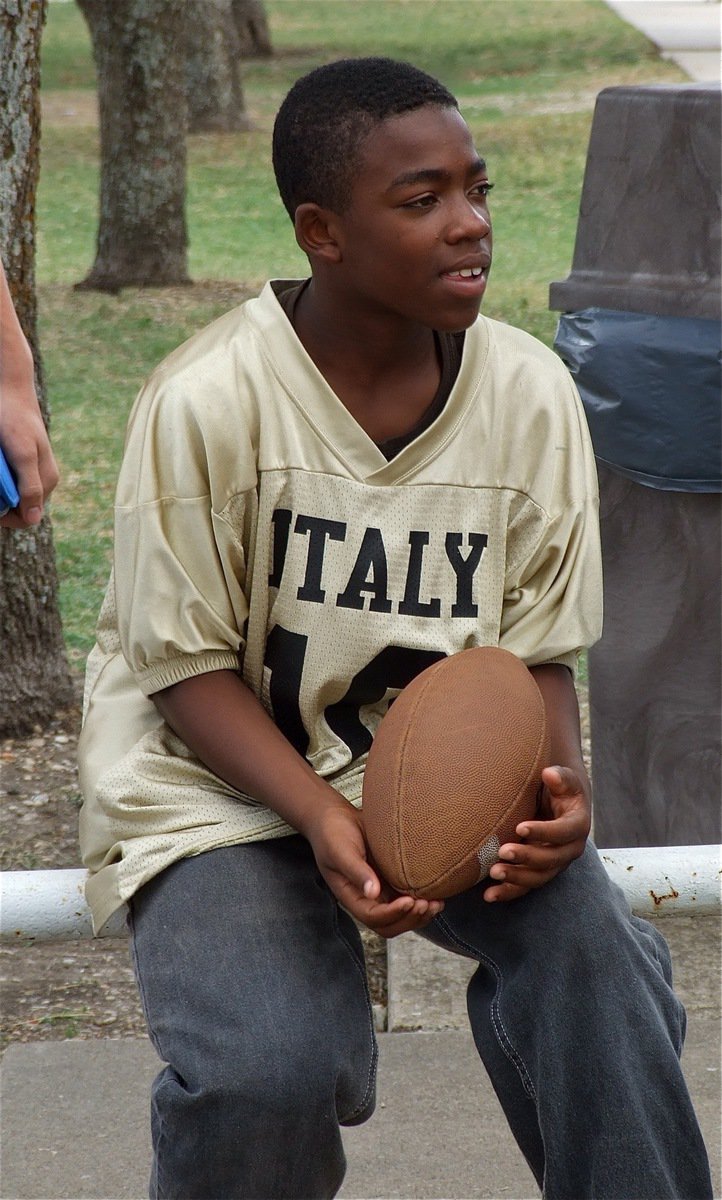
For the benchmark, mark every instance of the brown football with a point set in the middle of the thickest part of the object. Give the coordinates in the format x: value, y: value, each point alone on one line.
x: 454, y: 767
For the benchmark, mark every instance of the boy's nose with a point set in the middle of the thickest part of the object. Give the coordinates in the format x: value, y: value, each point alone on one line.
x: 468, y: 222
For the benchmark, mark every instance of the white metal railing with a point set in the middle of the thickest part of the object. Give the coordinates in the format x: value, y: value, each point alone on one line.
x: 657, y: 880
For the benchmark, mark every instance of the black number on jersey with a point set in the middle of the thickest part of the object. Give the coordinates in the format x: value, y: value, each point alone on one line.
x: 392, y: 667
x: 285, y: 653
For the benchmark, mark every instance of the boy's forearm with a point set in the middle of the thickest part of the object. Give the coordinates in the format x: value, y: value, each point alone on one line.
x: 556, y: 685
x: 16, y: 360
x: 229, y: 730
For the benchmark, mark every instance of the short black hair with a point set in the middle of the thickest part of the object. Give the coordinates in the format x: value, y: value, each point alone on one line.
x: 327, y: 114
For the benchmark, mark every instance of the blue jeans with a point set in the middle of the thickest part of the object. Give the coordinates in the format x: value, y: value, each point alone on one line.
x: 254, y: 989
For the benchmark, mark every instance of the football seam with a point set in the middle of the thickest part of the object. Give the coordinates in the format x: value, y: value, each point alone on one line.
x: 402, y: 750
x: 471, y: 854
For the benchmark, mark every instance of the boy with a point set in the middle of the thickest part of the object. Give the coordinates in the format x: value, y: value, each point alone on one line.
x: 321, y: 493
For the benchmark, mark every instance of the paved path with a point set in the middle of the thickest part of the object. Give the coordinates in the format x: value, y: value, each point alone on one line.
x: 687, y: 31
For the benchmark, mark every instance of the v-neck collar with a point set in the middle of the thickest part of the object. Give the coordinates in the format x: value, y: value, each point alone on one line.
x: 309, y: 391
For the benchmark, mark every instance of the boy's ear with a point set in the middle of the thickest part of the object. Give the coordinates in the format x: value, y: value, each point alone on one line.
x: 316, y: 232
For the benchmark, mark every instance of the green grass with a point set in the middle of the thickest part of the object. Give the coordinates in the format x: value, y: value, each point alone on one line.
x: 468, y: 43
x: 66, y: 55
x: 526, y: 73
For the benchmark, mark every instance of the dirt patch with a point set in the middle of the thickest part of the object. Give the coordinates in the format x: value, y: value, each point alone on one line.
x: 71, y: 107
x: 55, y: 990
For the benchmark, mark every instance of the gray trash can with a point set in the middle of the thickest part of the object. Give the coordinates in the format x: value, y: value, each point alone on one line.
x: 640, y: 333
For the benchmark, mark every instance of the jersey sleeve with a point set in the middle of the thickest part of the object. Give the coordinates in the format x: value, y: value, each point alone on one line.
x: 553, y: 602
x: 179, y: 560
x: 552, y: 608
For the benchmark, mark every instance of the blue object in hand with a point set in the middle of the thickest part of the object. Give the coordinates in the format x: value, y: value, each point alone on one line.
x: 9, y: 494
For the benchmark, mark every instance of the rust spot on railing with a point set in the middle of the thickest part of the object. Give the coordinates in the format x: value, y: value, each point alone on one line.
x: 673, y: 895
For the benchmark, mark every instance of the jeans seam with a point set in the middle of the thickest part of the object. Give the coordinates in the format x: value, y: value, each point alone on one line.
x: 160, y: 1139
x: 154, y: 1039
x: 371, y: 1074
x: 497, y: 1022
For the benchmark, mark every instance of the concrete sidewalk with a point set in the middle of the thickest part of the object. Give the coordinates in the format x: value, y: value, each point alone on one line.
x: 689, y: 32
x: 75, y: 1121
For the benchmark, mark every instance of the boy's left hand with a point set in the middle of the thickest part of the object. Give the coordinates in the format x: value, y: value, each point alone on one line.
x: 548, y: 845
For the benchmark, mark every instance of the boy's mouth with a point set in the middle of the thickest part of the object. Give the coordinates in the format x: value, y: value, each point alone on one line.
x: 475, y: 267
x: 465, y: 273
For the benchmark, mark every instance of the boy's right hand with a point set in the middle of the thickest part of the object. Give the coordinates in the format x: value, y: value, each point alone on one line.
x: 337, y: 840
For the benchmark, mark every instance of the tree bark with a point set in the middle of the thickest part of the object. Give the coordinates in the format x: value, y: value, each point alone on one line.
x: 214, y: 91
x: 254, y: 37
x: 34, y: 676
x: 139, y: 51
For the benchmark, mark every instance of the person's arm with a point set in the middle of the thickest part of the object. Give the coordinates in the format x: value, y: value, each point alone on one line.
x: 549, y: 845
x: 22, y: 431
x: 229, y: 730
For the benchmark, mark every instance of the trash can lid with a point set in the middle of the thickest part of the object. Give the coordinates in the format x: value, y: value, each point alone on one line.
x: 648, y: 235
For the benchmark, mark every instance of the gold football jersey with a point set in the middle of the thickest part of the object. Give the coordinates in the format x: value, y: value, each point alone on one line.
x: 258, y: 528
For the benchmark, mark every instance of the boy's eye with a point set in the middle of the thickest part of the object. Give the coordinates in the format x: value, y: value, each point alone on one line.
x: 429, y: 199
x: 420, y: 202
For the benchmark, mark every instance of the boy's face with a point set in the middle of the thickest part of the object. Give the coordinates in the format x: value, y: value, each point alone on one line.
x: 415, y: 240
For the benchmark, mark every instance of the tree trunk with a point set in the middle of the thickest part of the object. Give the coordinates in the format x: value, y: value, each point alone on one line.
x: 254, y: 37
x: 139, y: 51
x: 34, y: 677
x: 213, y: 68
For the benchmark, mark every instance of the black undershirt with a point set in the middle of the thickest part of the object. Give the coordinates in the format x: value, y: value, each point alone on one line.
x: 449, y: 349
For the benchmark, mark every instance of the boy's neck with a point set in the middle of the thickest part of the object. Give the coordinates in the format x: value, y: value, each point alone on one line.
x: 385, y: 373
x: 367, y: 345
